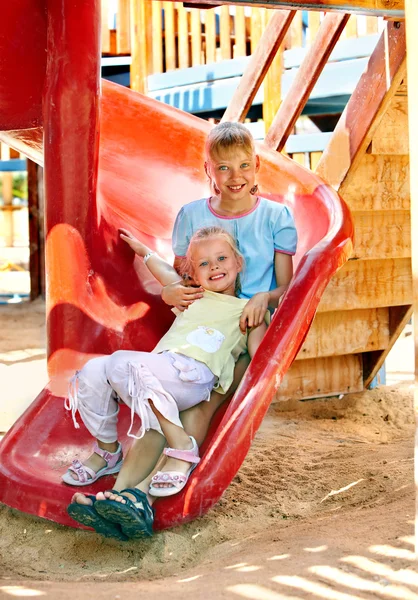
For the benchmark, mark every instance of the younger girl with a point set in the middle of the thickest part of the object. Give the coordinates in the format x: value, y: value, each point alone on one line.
x: 197, y: 354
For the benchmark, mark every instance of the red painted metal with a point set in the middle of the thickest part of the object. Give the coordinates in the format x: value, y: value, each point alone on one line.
x: 100, y: 299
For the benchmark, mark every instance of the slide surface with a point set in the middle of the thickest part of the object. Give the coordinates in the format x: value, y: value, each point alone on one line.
x: 150, y: 164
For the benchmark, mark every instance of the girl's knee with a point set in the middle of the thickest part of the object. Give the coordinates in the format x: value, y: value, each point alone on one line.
x: 117, y: 365
x: 93, y: 372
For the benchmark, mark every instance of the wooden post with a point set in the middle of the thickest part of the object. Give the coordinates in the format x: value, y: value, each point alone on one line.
x: 139, y: 71
x: 170, y: 37
x: 183, y: 36
x: 196, y: 28
x: 225, y: 33
x: 411, y: 13
x: 240, y: 48
x: 36, y: 250
x: 123, y: 28
x: 8, y: 199
x: 273, y: 83
x: 157, y: 40
x: 210, y: 36
x: 105, y: 33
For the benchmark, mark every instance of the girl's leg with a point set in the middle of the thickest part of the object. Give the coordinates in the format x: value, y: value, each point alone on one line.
x: 196, y: 420
x: 96, y: 402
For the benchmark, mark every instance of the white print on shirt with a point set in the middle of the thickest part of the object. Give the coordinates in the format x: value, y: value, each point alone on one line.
x: 209, y: 340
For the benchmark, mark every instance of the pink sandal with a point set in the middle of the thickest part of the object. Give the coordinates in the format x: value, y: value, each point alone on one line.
x: 175, y: 478
x: 86, y: 476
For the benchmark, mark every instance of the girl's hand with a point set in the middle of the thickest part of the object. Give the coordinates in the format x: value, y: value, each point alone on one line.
x: 254, y: 311
x: 178, y: 295
x: 137, y: 246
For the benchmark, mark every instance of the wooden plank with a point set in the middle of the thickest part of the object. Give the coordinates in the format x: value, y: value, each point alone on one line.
x: 105, y: 33
x: 148, y: 33
x: 382, y: 234
x: 169, y: 36
x: 35, y: 231
x: 139, y: 71
x: 371, y: 25
x: 351, y: 28
x: 196, y: 29
x: 272, y: 89
x: 373, y: 361
x: 295, y: 32
x: 123, y: 28
x: 256, y: 27
x: 316, y: 378
x: 380, y: 183
x: 157, y: 41
x: 258, y: 65
x: 314, y: 23
x: 305, y: 80
x: 7, y: 194
x: 240, y: 48
x: 366, y: 106
x: 210, y: 36
x: 225, y: 33
x: 380, y: 8
x: 346, y: 332
x: 314, y: 158
x: 391, y: 136
x: 369, y: 284
x: 183, y: 37
x: 300, y: 158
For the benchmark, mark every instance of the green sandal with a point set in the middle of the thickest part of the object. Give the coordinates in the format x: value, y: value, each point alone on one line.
x: 135, y: 518
x: 87, y: 515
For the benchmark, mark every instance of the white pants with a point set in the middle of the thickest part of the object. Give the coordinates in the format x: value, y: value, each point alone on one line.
x: 172, y: 381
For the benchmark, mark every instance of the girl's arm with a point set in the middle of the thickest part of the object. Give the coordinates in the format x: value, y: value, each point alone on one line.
x: 283, y: 267
x: 162, y: 270
x: 255, y: 309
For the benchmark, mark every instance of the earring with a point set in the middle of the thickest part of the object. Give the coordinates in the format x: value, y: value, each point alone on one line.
x: 254, y: 189
x: 216, y: 189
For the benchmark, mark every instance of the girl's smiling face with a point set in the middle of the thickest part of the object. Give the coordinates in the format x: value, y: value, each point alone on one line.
x: 233, y: 172
x: 215, y: 264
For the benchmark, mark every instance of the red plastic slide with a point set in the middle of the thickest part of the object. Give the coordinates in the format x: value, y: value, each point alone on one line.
x: 150, y: 163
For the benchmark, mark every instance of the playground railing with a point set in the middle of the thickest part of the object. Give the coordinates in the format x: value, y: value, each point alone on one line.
x: 176, y: 37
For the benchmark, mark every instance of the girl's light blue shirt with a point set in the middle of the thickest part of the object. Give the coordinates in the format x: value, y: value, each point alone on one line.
x: 267, y: 228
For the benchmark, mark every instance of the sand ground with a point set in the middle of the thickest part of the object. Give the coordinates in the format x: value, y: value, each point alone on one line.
x: 323, y: 506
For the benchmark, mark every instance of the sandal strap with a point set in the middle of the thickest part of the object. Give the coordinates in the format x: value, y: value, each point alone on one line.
x: 174, y: 477
x: 146, y: 508
x: 111, y: 458
x: 190, y: 456
x: 81, y: 471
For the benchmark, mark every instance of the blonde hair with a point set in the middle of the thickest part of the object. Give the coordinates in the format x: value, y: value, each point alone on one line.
x: 227, y: 135
x: 206, y: 233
